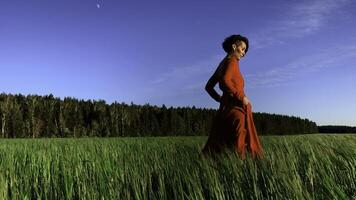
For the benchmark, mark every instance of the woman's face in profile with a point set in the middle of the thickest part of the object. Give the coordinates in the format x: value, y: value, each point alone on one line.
x: 239, y: 49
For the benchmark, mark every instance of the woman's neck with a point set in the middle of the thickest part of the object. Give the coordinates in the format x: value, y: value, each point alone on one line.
x: 231, y: 55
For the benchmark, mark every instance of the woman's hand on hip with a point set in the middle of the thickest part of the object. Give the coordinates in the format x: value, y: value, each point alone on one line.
x: 246, y: 101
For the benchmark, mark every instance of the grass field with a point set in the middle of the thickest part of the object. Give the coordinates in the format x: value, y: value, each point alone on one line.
x: 295, y: 167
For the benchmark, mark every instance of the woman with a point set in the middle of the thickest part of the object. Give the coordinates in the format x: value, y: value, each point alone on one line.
x: 233, y: 127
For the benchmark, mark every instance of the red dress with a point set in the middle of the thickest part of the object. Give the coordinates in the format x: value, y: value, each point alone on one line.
x: 233, y: 125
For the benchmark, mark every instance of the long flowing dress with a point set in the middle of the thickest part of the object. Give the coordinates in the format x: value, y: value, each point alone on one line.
x: 233, y: 126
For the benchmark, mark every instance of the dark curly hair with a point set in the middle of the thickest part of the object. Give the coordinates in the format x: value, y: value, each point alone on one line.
x: 232, y: 39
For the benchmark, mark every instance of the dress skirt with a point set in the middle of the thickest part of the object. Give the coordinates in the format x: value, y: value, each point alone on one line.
x: 233, y: 128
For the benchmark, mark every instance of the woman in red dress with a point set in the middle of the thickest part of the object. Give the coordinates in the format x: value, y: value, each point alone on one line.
x: 233, y: 127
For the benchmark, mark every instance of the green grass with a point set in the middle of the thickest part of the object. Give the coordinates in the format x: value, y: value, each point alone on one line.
x: 295, y: 167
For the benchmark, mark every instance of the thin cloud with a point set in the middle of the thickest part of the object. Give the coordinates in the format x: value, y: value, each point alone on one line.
x: 299, y: 20
x: 306, y: 65
x: 188, y: 72
x: 184, y: 82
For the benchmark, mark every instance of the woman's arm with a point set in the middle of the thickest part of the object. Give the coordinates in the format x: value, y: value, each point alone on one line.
x: 209, y: 87
x: 227, y: 83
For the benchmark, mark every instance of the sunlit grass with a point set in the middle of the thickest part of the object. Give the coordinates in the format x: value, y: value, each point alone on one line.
x: 295, y: 167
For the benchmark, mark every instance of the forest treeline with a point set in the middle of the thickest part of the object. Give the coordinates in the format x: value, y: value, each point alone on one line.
x: 336, y: 129
x: 34, y: 116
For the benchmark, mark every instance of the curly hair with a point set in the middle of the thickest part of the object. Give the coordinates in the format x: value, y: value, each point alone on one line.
x: 232, y: 39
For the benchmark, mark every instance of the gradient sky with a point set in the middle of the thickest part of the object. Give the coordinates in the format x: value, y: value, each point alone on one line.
x: 301, y: 61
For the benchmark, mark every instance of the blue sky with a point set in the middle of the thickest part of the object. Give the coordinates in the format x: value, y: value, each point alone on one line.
x: 301, y: 59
